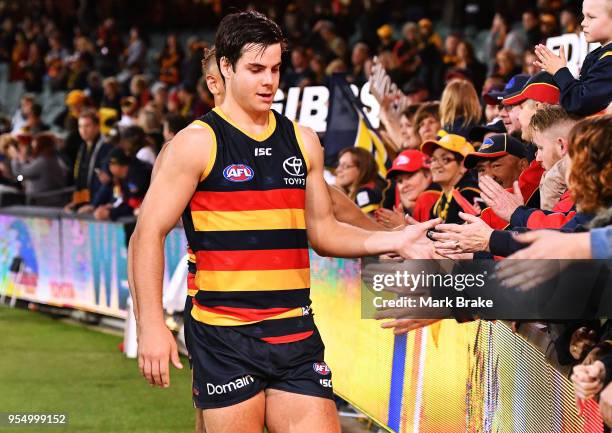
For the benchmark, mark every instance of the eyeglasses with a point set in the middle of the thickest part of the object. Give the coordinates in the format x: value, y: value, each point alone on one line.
x: 442, y: 161
x: 345, y: 166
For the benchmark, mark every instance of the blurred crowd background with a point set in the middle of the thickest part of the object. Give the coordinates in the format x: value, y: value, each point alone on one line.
x: 139, y: 68
x: 475, y: 133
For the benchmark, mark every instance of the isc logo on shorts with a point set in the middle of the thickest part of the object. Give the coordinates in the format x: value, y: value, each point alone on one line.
x: 321, y: 368
x: 238, y: 173
x: 327, y: 383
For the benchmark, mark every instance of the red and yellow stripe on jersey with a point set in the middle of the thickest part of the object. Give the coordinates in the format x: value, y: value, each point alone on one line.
x: 248, y: 234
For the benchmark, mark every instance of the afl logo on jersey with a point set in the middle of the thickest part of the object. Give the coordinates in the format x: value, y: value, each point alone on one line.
x: 238, y: 173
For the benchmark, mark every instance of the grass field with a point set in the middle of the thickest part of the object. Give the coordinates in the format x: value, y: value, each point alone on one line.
x: 50, y: 366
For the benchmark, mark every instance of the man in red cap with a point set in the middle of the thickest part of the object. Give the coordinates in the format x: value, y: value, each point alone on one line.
x: 415, y: 193
x: 539, y: 91
x: 535, y: 94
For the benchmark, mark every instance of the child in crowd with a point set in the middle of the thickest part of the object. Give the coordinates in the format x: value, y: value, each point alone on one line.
x: 592, y: 92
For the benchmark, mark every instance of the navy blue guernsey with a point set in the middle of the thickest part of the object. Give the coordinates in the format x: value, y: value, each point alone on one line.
x: 246, y: 228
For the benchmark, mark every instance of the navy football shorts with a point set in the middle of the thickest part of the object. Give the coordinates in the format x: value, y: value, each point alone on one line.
x: 230, y: 367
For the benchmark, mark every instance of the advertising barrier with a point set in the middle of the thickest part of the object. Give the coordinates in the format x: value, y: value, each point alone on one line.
x: 74, y: 263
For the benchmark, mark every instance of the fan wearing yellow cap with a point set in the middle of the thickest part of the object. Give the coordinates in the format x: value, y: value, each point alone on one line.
x: 459, y: 187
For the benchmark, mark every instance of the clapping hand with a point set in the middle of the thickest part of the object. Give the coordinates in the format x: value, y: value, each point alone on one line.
x: 548, y: 61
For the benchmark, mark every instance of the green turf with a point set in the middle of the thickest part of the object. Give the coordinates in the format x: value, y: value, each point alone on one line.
x: 51, y: 366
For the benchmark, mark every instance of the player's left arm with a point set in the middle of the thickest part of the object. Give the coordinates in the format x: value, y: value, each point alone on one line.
x: 329, y: 237
x: 346, y: 211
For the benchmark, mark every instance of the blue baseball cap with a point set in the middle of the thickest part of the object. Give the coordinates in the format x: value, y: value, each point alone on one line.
x: 496, y: 146
x: 515, y: 85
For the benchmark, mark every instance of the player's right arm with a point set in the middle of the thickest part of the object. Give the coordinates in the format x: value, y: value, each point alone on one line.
x: 329, y: 237
x: 173, y: 185
x: 158, y: 163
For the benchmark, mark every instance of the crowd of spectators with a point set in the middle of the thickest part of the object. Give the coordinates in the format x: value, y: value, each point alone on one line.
x: 508, y: 148
x: 114, y: 71
x: 494, y: 138
x: 114, y: 98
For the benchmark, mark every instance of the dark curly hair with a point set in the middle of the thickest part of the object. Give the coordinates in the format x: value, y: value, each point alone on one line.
x: 240, y: 30
x: 590, y: 151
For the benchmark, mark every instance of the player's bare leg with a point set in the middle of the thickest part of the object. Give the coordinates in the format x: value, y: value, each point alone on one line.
x: 287, y: 412
x: 199, y: 421
x: 245, y: 417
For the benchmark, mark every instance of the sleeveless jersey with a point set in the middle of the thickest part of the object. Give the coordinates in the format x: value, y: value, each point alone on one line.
x: 246, y: 229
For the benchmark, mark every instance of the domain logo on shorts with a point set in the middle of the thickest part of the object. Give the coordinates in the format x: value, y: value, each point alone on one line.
x: 238, y: 173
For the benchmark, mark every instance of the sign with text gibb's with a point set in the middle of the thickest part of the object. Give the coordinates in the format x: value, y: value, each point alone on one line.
x: 313, y: 103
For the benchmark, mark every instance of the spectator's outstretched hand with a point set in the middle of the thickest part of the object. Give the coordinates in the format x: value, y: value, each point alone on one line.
x: 548, y: 61
x: 415, y: 244
x: 502, y: 202
x: 524, y: 275
x: 402, y: 326
x: 466, y: 238
x: 102, y: 213
x: 550, y: 244
x: 588, y: 379
x: 88, y: 208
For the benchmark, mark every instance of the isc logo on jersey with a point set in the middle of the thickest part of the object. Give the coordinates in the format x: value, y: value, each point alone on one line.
x: 238, y: 173
x: 321, y: 368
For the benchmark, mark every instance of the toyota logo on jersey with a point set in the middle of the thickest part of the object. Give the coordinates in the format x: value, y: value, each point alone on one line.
x: 321, y: 368
x: 238, y: 173
x: 293, y: 166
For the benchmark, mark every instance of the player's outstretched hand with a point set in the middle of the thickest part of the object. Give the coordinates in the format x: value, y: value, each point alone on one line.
x: 156, y: 347
x: 414, y: 244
